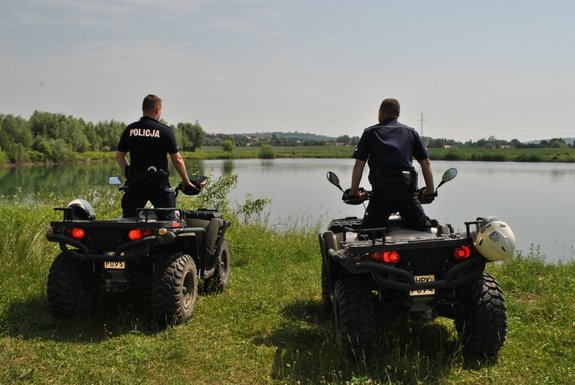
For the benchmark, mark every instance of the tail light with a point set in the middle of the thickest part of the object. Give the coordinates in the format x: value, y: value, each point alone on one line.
x: 462, y: 252
x: 76, y: 232
x: 391, y: 257
x: 135, y: 234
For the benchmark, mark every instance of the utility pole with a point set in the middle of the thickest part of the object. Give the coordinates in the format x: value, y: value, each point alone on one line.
x: 421, y: 123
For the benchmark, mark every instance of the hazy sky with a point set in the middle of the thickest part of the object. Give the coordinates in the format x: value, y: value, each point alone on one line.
x: 474, y: 68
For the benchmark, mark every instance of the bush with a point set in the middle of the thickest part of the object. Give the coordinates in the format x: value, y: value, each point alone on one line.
x: 266, y: 152
x: 3, y: 157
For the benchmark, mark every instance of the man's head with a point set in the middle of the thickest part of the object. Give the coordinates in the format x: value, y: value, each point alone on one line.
x: 388, y: 109
x: 152, y: 106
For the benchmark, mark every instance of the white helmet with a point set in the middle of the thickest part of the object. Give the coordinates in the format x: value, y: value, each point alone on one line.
x: 82, y: 209
x: 495, y: 240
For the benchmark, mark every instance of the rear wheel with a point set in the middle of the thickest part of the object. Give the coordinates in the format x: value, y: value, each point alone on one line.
x: 483, y: 328
x: 221, y: 277
x: 71, y: 284
x: 175, y: 289
x: 354, y: 316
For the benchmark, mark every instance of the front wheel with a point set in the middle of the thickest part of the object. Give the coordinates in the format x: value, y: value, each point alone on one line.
x: 354, y: 316
x: 221, y: 277
x: 175, y: 289
x: 483, y: 328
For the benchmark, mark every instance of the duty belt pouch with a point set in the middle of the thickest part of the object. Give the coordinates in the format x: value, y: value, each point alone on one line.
x: 158, y: 177
x: 406, y: 178
x: 150, y: 179
x: 411, y: 181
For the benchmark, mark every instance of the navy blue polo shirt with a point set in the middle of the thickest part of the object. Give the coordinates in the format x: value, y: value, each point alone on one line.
x: 390, y: 145
x: 148, y: 142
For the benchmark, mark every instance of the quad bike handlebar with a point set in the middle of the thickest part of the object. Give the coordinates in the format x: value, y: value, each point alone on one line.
x: 199, y: 182
x: 364, y: 195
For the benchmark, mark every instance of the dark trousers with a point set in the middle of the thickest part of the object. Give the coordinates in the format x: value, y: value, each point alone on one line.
x: 391, y: 198
x: 159, y: 197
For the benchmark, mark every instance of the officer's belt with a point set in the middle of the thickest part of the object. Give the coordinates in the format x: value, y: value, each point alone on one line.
x: 393, y: 174
x: 379, y: 178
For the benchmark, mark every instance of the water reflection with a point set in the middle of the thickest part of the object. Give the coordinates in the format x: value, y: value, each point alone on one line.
x: 59, y: 179
x: 227, y: 167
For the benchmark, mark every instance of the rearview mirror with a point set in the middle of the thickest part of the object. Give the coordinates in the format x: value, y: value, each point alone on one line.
x: 448, y: 175
x: 333, y: 179
x: 114, y: 180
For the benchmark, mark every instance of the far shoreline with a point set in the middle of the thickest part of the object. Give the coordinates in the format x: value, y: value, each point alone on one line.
x: 531, y: 155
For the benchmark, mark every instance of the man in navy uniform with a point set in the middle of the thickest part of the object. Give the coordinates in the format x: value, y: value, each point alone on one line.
x: 388, y: 148
x: 149, y: 143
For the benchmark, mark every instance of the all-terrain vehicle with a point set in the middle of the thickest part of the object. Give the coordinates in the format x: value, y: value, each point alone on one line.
x: 168, y: 259
x: 370, y: 276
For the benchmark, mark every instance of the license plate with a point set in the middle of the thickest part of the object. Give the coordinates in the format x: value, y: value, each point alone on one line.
x: 115, y: 265
x: 421, y: 279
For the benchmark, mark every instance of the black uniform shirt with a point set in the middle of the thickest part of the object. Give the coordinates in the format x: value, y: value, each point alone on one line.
x: 390, y: 146
x: 148, y: 142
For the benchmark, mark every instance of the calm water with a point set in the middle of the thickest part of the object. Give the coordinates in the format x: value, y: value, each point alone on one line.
x: 535, y: 199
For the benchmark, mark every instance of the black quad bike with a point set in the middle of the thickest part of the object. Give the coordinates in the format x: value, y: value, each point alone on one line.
x: 169, y: 259
x: 370, y: 276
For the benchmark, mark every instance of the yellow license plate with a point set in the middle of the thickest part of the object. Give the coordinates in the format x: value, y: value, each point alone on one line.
x: 115, y: 265
x: 421, y: 279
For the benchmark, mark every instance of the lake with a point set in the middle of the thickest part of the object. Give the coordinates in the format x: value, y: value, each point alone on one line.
x: 535, y: 199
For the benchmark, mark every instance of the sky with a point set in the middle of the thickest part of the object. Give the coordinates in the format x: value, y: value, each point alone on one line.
x: 471, y: 69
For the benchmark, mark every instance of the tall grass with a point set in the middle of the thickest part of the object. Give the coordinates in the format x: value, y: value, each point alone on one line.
x: 268, y: 327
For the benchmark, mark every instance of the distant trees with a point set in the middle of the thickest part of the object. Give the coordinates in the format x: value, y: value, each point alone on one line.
x: 493, y: 142
x: 49, y: 137
x: 192, y: 136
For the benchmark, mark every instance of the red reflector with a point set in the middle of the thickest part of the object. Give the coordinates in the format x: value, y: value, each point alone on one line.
x: 175, y: 224
x: 385, y: 256
x: 462, y: 252
x: 391, y: 257
x: 135, y: 234
x: 78, y: 233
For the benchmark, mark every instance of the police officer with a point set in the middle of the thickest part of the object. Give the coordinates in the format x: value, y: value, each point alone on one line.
x: 149, y: 142
x: 388, y: 148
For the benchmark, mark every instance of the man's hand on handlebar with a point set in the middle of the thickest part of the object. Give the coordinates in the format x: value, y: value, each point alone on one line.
x: 355, y: 194
x: 354, y: 199
x: 427, y: 195
x: 188, y: 184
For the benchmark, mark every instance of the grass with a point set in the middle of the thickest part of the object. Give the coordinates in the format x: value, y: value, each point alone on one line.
x: 268, y: 327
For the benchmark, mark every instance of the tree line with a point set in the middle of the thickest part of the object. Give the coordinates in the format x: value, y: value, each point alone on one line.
x: 53, y: 137
x: 493, y: 142
x: 50, y: 137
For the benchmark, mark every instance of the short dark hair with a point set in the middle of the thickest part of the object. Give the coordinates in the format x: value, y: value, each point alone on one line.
x: 390, y: 107
x: 150, y: 102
